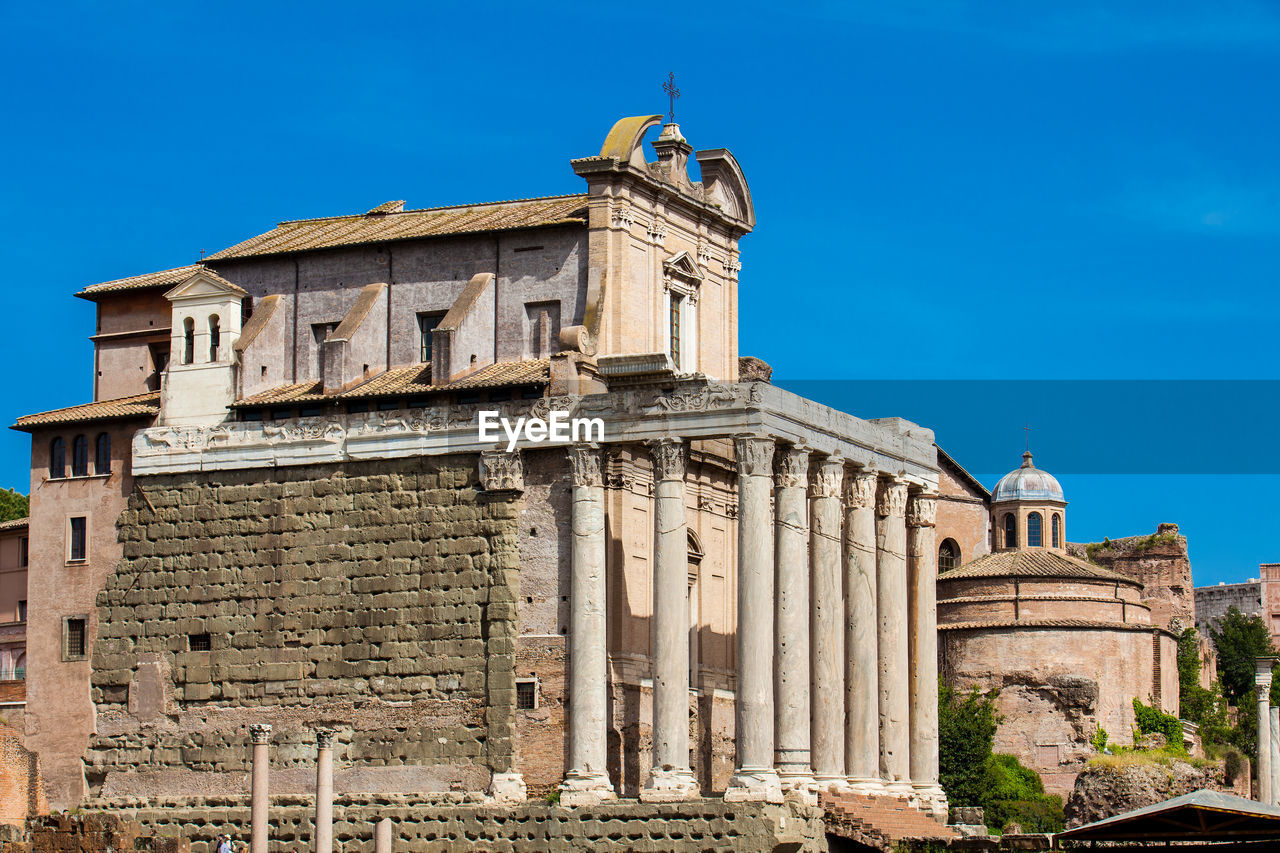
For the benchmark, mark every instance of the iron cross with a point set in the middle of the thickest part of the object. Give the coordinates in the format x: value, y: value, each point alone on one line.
x: 1027, y: 430
x: 672, y: 93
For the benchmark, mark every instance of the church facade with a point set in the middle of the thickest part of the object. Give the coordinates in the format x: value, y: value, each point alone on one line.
x: 292, y: 519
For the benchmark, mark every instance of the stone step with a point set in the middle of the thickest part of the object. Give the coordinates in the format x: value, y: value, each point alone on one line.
x: 887, y: 819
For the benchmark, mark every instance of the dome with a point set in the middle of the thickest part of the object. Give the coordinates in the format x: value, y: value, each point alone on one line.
x: 1027, y: 483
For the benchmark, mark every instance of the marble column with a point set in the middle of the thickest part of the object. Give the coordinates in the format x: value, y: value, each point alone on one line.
x: 324, y: 791
x: 1275, y: 755
x: 260, y: 735
x: 826, y: 624
x: 891, y: 605
x: 382, y: 836
x: 754, y: 777
x: 1262, y: 681
x: 671, y: 777
x: 791, y: 643
x: 922, y: 649
x: 862, y: 666
x: 587, y: 781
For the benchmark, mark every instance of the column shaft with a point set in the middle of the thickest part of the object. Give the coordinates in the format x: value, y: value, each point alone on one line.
x: 587, y: 781
x: 1275, y: 754
x: 324, y: 792
x: 382, y: 837
x: 791, y: 655
x: 922, y: 648
x: 826, y: 638
x: 260, y: 734
x: 754, y: 777
x: 670, y: 777
x: 1262, y: 683
x: 862, y: 676
x: 891, y: 601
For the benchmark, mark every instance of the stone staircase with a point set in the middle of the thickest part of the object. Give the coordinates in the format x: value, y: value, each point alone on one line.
x: 882, y: 822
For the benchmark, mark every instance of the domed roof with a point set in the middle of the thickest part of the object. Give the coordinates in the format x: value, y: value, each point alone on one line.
x: 1027, y: 483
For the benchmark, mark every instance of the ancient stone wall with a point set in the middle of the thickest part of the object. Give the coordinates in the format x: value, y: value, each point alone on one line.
x: 21, y: 792
x: 1160, y: 563
x: 446, y: 824
x: 374, y: 598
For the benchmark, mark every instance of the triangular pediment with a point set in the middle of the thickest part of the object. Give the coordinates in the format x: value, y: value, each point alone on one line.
x: 683, y: 264
x: 205, y: 284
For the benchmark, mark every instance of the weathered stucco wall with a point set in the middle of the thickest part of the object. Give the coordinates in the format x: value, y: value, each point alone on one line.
x: 377, y: 599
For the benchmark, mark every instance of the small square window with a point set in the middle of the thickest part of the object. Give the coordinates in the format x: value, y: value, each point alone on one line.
x: 74, y: 638
x: 199, y: 642
x: 526, y: 694
x: 77, y: 550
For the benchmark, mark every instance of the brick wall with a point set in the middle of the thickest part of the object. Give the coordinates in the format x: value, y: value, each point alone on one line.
x: 376, y: 598
x: 1159, y: 562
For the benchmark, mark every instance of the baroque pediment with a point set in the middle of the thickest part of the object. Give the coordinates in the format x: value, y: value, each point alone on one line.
x: 683, y: 265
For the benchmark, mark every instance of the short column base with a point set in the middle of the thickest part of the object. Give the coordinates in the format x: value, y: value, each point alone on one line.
x: 870, y: 785
x: 830, y: 783
x: 586, y: 789
x: 932, y: 799
x: 900, y: 788
x: 670, y: 786
x: 754, y: 785
x: 508, y: 788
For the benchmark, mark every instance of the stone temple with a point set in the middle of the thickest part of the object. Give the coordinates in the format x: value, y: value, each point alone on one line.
x: 279, y: 511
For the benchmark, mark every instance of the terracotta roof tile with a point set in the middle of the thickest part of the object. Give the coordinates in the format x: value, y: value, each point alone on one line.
x: 1047, y: 623
x: 301, y: 392
x: 504, y: 373
x: 139, y: 406
x: 14, y: 524
x: 379, y: 225
x: 164, y: 278
x: 1032, y: 564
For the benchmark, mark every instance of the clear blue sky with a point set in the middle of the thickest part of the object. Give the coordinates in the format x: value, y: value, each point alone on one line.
x: 944, y: 192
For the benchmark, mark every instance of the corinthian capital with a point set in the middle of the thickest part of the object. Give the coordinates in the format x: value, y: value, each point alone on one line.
x: 922, y: 510
x: 860, y: 489
x: 791, y: 468
x: 755, y: 456
x: 891, y: 500
x: 585, y: 465
x: 828, y: 476
x: 324, y: 738
x: 501, y: 472
x: 260, y: 733
x: 670, y: 458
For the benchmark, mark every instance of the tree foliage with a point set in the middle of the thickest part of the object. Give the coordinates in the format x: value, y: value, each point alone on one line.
x: 12, y: 505
x: 1239, y: 640
x: 966, y: 736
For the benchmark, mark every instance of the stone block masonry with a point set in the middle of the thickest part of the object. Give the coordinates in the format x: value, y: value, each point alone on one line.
x: 376, y: 599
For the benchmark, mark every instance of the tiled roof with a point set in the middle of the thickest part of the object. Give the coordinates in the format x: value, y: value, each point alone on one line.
x: 1032, y: 564
x: 164, y: 278
x: 409, y: 381
x: 378, y: 226
x: 14, y: 524
x: 139, y: 406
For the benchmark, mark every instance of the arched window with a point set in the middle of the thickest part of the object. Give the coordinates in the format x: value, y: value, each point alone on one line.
x: 57, y: 459
x: 188, y: 341
x: 948, y: 555
x: 1057, y: 530
x: 80, y: 456
x: 1010, y: 531
x: 215, y: 337
x: 1034, y: 538
x: 102, y: 454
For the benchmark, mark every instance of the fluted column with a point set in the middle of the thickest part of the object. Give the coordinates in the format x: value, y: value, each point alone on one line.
x: 862, y: 666
x: 324, y: 791
x: 587, y: 781
x: 826, y: 637
x: 260, y: 735
x: 671, y: 777
x: 791, y: 645
x: 891, y: 602
x: 922, y: 649
x: 754, y: 777
x: 1262, y: 682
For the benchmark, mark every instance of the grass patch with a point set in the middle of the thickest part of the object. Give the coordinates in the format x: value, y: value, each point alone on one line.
x: 1125, y: 757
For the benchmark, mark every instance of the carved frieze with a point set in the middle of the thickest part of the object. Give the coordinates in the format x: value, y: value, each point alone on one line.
x: 670, y: 459
x: 703, y: 398
x: 922, y: 510
x: 501, y: 471
x: 791, y: 469
x: 584, y: 462
x: 754, y: 455
x: 891, y: 500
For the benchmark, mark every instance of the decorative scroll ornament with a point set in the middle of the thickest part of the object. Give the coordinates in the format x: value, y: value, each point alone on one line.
x: 585, y: 465
x: 860, y: 489
x: 324, y: 738
x: 622, y: 218
x: 704, y: 254
x: 260, y: 732
x: 732, y: 266
x: 670, y: 458
x: 658, y: 233
x: 922, y: 511
x: 892, y: 499
x: 755, y: 456
x: 827, y: 479
x: 501, y: 472
x: 791, y: 470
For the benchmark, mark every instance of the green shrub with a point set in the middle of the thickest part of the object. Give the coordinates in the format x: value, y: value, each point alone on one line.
x: 1154, y: 721
x: 1233, y: 764
x: 1099, y: 740
x: 1043, y: 814
x: 967, y: 730
x: 1015, y: 793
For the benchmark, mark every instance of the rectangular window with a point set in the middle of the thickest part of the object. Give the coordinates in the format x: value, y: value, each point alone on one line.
x: 22, y: 610
x: 74, y: 638
x: 677, y: 303
x: 159, y: 363
x: 426, y: 325
x: 526, y: 695
x: 22, y: 551
x: 78, y: 545
x: 199, y: 642
x: 320, y: 333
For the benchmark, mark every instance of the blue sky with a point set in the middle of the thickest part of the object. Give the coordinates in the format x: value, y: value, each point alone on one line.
x: 944, y: 191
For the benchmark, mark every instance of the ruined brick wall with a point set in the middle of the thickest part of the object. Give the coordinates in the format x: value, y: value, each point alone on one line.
x: 1160, y: 563
x: 375, y: 598
x: 21, y: 792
